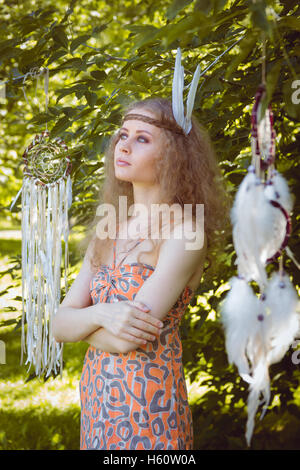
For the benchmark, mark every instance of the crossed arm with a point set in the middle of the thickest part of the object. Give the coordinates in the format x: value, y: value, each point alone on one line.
x: 159, y: 292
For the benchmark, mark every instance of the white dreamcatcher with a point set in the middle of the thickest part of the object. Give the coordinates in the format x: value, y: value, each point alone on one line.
x: 46, y: 198
x: 260, y: 328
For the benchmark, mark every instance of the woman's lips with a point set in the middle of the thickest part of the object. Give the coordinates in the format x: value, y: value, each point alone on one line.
x: 122, y: 163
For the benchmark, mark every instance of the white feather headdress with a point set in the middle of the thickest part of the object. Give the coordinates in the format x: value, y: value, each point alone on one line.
x: 184, y: 121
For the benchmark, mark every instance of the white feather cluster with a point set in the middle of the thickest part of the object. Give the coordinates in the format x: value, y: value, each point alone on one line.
x: 177, y: 94
x: 239, y: 313
x: 259, y: 330
x: 258, y: 227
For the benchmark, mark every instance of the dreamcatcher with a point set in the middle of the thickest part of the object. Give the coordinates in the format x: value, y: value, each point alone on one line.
x: 46, y: 198
x: 259, y: 329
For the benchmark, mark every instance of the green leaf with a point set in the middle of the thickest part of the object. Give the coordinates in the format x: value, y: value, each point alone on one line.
x: 45, y: 13
x: 203, y: 5
x: 60, y: 126
x: 42, y: 118
x: 100, y: 28
x: 271, y: 83
x: 141, y: 29
x: 59, y: 36
x: 80, y: 89
x: 176, y: 7
x: 97, y: 143
x: 99, y: 74
x: 291, y: 22
x: 56, y: 55
x: 76, y: 63
x: 69, y: 111
x: 246, y: 46
x: 259, y: 16
x: 8, y: 52
x: 197, y: 22
x: 141, y: 78
x: 91, y: 98
x: 78, y: 41
x: 54, y: 110
x: 145, y: 34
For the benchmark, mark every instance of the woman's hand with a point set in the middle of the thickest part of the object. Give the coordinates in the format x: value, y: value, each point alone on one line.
x: 131, y: 321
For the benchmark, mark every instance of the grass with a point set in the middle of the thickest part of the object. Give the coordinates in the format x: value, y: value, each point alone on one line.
x: 34, y: 414
x: 38, y: 414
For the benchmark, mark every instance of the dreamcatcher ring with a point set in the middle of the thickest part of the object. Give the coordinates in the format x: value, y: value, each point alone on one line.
x: 45, y: 161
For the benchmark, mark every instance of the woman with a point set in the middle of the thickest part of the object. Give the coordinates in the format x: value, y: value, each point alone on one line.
x: 130, y: 294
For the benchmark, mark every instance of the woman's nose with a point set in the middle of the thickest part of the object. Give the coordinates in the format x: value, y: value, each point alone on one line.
x: 124, y: 148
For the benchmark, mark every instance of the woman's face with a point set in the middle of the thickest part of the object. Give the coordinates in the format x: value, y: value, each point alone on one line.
x: 139, y: 144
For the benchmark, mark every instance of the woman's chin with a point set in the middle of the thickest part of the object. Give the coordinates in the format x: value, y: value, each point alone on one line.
x: 121, y: 177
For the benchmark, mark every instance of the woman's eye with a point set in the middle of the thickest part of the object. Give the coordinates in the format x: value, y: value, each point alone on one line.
x: 139, y: 137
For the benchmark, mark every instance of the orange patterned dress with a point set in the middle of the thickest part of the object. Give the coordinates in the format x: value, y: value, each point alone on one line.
x: 136, y: 400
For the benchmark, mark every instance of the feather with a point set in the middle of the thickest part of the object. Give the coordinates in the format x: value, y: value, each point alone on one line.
x: 259, y: 229
x: 283, y: 320
x: 259, y: 385
x: 177, y: 94
x: 239, y: 317
x: 241, y: 194
x: 246, y: 239
x: 177, y: 90
x: 270, y: 227
x: 277, y: 189
x: 279, y: 325
x: 191, y: 99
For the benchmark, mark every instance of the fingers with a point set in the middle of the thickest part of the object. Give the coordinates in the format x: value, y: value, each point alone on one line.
x: 140, y: 305
x: 139, y: 332
x: 137, y: 325
x: 141, y: 335
x: 129, y: 337
x: 145, y: 316
x: 143, y: 325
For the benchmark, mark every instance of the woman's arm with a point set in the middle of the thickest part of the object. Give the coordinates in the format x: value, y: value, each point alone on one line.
x: 160, y: 291
x: 76, y: 318
x: 106, y: 341
x: 129, y: 320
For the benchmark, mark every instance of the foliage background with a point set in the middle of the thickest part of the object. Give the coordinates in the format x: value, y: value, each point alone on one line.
x: 102, y: 56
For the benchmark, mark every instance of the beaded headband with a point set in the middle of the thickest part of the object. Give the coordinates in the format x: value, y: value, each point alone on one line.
x: 184, y: 121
